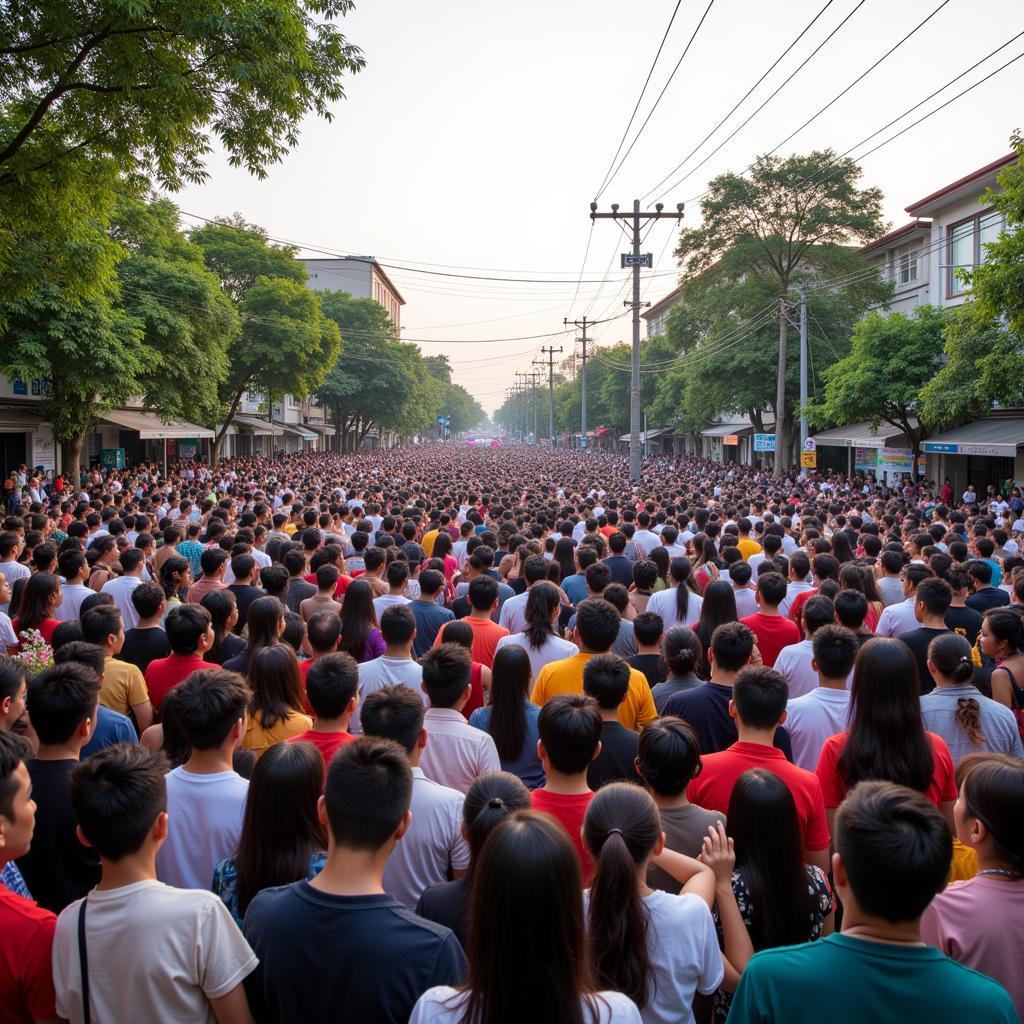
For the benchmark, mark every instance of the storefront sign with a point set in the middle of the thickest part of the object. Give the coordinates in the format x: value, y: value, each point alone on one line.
x: 865, y: 460
x: 188, y: 448
x: 112, y: 458
x: 44, y: 450
x: 731, y: 439
x: 939, y: 448
x: 994, y: 450
x: 764, y: 442
x: 809, y: 460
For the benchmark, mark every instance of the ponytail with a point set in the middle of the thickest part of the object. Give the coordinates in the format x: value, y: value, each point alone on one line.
x: 951, y: 655
x: 968, y: 717
x: 680, y: 569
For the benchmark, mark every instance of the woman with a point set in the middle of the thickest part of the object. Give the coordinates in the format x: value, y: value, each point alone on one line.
x: 565, y: 557
x: 39, y: 603
x: 718, y: 608
x: 841, y: 547
x: 660, y: 557
x: 491, y: 799
x: 886, y: 738
x: 443, y: 551
x: 264, y: 623
x: 705, y: 563
x: 282, y: 838
x: 276, y: 710
x: 175, y: 578
x: 855, y: 577
x: 782, y: 901
x: 539, y: 638
x: 102, y: 556
x: 360, y: 636
x: 223, y: 609
x: 956, y: 710
x: 683, y: 653
x: 528, y: 878
x: 980, y: 922
x: 460, y: 632
x: 657, y: 948
x: 510, y: 717
x: 679, y: 606
x: 1002, y: 640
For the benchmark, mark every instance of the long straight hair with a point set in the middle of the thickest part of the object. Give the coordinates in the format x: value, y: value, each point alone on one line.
x: 886, y: 740
x: 39, y: 591
x: 220, y: 604
x: 357, y: 619
x: 280, y: 830
x: 510, y: 687
x: 680, y: 571
x: 528, y: 879
x: 565, y: 557
x: 719, y: 607
x: 276, y: 684
x: 763, y: 823
x: 543, y: 599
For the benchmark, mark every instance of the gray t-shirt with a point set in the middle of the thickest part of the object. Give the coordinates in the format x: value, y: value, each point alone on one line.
x: 674, y: 684
x: 685, y: 828
x: 998, y: 726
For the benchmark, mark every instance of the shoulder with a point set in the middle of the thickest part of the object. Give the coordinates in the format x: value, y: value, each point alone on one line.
x: 616, y: 1008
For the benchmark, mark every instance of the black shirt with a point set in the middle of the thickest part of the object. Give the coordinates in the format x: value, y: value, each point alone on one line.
x: 230, y: 647
x: 652, y: 667
x: 447, y: 903
x: 965, y: 621
x: 918, y: 640
x: 326, y: 958
x: 615, y: 762
x: 141, y: 646
x: 296, y: 592
x: 622, y: 569
x: 58, y: 869
x: 986, y: 598
x: 244, y: 596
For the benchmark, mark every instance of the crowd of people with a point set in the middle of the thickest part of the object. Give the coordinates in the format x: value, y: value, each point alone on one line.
x: 461, y: 736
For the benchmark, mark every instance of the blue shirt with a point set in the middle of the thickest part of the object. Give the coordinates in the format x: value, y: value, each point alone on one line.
x: 575, y: 587
x: 111, y: 727
x: 527, y: 765
x: 225, y: 881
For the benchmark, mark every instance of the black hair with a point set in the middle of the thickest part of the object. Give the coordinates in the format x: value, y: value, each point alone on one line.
x: 818, y: 611
x: 394, y: 713
x: 935, y: 594
x: 732, y: 644
x: 323, y: 630
x: 991, y: 788
x: 207, y: 704
x: 851, y: 608
x: 60, y: 699
x: 510, y: 688
x: 668, y: 755
x: 541, y: 602
x: 483, y: 592
x: 760, y: 695
x: 489, y: 800
x: 14, y: 750
x: 597, y: 622
x: 679, y: 568
x: 570, y: 726
x: 606, y: 679
x: 719, y: 608
x: 397, y: 624
x: 357, y: 618
x: 90, y: 655
x: 186, y: 625
x: 147, y: 598
x: 446, y: 674
x: 648, y: 628
x: 332, y: 681
x: 835, y: 650
x: 682, y: 651
x: 100, y: 622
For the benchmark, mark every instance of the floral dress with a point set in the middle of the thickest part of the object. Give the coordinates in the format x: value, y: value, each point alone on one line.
x: 225, y: 881
x: 824, y: 903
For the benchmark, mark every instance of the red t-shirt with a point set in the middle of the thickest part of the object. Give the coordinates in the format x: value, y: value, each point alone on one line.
x: 941, y: 789
x: 163, y: 674
x: 486, y: 634
x: 773, y: 632
x: 26, y: 972
x: 46, y: 628
x: 476, y: 696
x: 569, y: 810
x: 713, y: 787
x: 328, y: 742
x: 798, y: 602
x: 339, y: 590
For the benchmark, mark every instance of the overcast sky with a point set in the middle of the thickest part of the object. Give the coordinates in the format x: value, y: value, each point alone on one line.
x: 479, y: 132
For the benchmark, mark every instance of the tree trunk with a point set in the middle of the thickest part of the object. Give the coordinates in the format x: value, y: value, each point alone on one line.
x: 218, y: 439
x: 71, y: 457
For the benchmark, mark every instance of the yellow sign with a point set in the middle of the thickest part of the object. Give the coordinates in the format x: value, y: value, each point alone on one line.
x: 808, y: 460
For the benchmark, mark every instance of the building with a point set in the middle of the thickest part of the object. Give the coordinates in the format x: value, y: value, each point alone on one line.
x: 361, y: 276
x: 657, y: 313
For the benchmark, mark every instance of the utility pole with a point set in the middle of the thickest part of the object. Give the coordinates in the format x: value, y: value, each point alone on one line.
x: 803, y: 366
x: 636, y: 260
x: 781, y: 436
x: 551, y: 352
x: 582, y: 325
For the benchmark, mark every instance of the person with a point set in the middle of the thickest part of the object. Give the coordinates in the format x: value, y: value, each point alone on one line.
x: 457, y: 753
x: 433, y: 847
x: 214, y: 565
x: 147, y: 640
x: 706, y: 707
x: 26, y: 929
x: 956, y: 710
x: 892, y: 856
x: 194, y: 973
x: 606, y: 679
x: 246, y: 572
x: 265, y: 625
x: 460, y: 633
x: 931, y: 602
x: 901, y: 618
x: 528, y: 877
x: 513, y: 612
x: 659, y: 949
x: 190, y: 634
x: 62, y: 703
x: 886, y: 738
x: 539, y: 637
x: 326, y: 577
x: 40, y: 600
x: 360, y: 636
x: 397, y: 575
x: 510, y: 718
x: 718, y: 608
x: 795, y: 662
x: 959, y: 618
x: 205, y: 795
x: 430, y: 616
x: 569, y: 728
x: 986, y: 596
x: 332, y: 687
x: 649, y: 631
x: 979, y: 922
x: 1002, y: 640
x: 124, y: 687
x: 597, y: 627
x: 620, y: 565
x: 282, y: 838
x: 824, y: 711
x: 275, y: 713
x: 773, y: 631
x: 396, y: 665
x: 682, y: 653
x: 120, y: 588
x: 383, y: 957
x: 483, y: 600
x: 74, y: 570
x: 13, y: 693
x: 223, y: 617
x: 678, y: 605
x: 489, y: 801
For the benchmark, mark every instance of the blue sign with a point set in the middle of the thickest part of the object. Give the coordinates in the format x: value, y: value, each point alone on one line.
x: 19, y: 386
x: 764, y: 442
x: 443, y: 420
x: 940, y: 448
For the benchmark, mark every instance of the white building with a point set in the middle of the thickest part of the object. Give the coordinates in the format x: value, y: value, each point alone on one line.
x: 361, y: 276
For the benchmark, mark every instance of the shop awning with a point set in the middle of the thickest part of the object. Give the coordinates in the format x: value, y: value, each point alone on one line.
x: 261, y: 428
x: 742, y: 429
x: 996, y: 435
x: 649, y: 435
x: 15, y: 420
x: 297, y: 430
x: 861, y: 435
x: 321, y: 428
x: 151, y: 427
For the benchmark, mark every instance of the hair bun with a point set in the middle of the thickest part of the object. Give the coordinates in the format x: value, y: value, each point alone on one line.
x: 495, y: 802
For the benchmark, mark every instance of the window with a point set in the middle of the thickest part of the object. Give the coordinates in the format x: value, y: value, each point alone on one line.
x: 908, y: 267
x: 967, y: 242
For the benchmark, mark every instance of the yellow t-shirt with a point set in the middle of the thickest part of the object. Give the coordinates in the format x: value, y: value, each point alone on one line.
x: 259, y: 740
x: 748, y: 547
x: 964, y: 864
x: 123, y: 686
x: 566, y: 676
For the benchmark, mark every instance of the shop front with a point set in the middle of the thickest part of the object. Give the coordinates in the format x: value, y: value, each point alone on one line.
x: 987, y: 451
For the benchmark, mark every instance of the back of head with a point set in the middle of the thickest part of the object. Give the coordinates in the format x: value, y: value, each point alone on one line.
x: 431, y: 581
x: 991, y: 791
x: 489, y: 801
x: 397, y: 624
x: 731, y: 646
x: 668, y: 755
x: 186, y: 626
x: 835, y: 650
x: 851, y: 608
x: 207, y: 705
x: 100, y: 622
x: 569, y: 726
x: 323, y: 631
x: 78, y: 651
x: 935, y: 594
x: 597, y: 623
x: 818, y: 611
x: 483, y: 593
x: 606, y: 679
x: 147, y: 599
x: 648, y: 628
x: 446, y: 674
x: 331, y: 683
x: 760, y: 694
x: 60, y: 699
x: 896, y: 850
x: 771, y: 588
x: 393, y: 713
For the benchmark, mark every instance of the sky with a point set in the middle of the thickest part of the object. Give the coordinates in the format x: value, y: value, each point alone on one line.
x: 478, y: 133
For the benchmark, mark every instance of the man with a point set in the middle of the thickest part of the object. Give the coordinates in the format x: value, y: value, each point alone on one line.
x: 332, y: 687
x: 195, y: 971
x: 298, y: 589
x: 74, y: 568
x: 747, y: 545
x: 648, y: 631
x: 62, y: 705
x: 483, y: 599
x: 931, y: 602
x: 430, y: 616
x: 740, y: 575
x: 205, y: 795
x: 823, y: 567
x: 621, y: 566
x: 326, y: 580
x: 246, y: 588
x: 901, y: 618
x: 707, y: 707
x: 645, y: 579
x: 396, y: 665
x: 512, y: 615
x: 890, y: 586
x: 147, y: 640
x: 120, y: 587
x: 575, y: 586
x: 596, y: 630
x: 893, y: 852
x: 124, y: 688
x: 799, y: 570
x: 645, y: 540
x: 434, y: 846
x: 825, y: 710
x: 10, y: 548
x: 985, y: 595
x: 457, y: 754
x: 13, y: 691
x: 606, y: 679
x: 190, y: 634
x: 383, y: 957
x: 796, y: 663
x: 397, y: 574
x: 479, y: 564
x: 959, y: 618
x: 214, y: 564
x: 772, y: 629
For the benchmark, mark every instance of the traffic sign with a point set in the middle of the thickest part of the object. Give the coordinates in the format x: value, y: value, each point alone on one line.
x: 643, y: 259
x: 764, y: 442
x: 810, y: 445
x: 809, y: 460
x: 443, y: 420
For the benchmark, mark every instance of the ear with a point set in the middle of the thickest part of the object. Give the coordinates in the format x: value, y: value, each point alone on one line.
x: 839, y: 871
x: 80, y: 836
x: 350, y: 707
x: 159, y: 829
x: 421, y: 740
x: 783, y: 717
x: 732, y: 709
x: 597, y: 751
x: 321, y: 811
x: 660, y: 844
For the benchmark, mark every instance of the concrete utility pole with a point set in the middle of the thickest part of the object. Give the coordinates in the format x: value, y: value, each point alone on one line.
x: 550, y: 353
x: 803, y: 366
x: 636, y: 260
x: 582, y: 325
x: 781, y: 435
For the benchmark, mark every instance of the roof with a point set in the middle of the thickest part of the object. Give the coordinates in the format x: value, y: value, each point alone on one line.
x: 896, y: 234
x: 258, y: 426
x: 861, y: 435
x: 974, y: 180
x: 995, y: 435
x: 648, y: 435
x: 667, y: 302
x: 369, y: 261
x: 16, y: 418
x: 297, y: 429
x: 742, y: 429
x: 380, y: 270
x: 151, y: 427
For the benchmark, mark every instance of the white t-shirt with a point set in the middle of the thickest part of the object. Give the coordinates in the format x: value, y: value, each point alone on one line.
x: 897, y: 618
x: 155, y: 953
x: 794, y: 662
x: 664, y: 604
x: 812, y: 719
x: 120, y: 589
x: 554, y: 648
x: 383, y: 603
x: 436, y: 1006
x: 385, y: 671
x: 746, y: 601
x: 204, y: 823
x: 456, y: 754
x: 513, y: 612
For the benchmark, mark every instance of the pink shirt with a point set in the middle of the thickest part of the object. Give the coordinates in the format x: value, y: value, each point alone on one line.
x: 456, y: 754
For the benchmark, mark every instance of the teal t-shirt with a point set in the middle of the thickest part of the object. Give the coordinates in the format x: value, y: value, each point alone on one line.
x: 845, y: 980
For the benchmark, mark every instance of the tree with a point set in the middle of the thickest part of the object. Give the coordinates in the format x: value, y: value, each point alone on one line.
x: 98, y: 93
x: 792, y: 219
x: 891, y: 360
